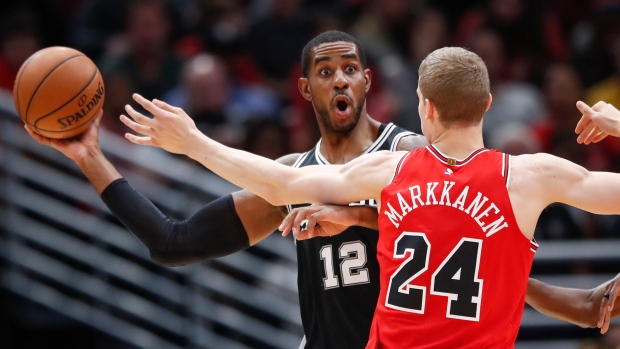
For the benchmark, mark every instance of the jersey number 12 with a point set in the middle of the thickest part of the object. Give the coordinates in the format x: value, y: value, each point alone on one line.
x: 353, y: 255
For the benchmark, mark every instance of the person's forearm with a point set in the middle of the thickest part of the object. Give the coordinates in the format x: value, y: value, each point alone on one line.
x: 99, y: 171
x: 367, y: 217
x: 213, y: 231
x: 264, y: 179
x: 566, y: 304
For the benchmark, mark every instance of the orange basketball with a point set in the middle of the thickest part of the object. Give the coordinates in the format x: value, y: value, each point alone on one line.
x: 58, y: 91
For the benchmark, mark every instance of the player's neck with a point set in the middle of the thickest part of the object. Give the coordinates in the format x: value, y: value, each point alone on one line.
x: 458, y: 141
x: 340, y: 148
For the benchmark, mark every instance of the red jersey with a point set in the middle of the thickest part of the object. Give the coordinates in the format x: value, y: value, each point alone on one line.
x: 454, y: 263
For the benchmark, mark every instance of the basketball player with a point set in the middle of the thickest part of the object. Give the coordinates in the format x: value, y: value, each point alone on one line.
x: 334, y: 314
x: 456, y: 220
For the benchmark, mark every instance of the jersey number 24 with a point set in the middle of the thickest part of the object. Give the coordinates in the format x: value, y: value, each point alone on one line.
x: 456, y: 277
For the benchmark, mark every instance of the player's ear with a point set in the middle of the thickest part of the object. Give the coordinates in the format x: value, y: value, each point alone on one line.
x: 304, y: 88
x: 489, y: 102
x: 367, y: 79
x: 431, y: 112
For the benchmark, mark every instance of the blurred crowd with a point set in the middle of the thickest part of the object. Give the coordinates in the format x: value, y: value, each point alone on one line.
x: 233, y: 66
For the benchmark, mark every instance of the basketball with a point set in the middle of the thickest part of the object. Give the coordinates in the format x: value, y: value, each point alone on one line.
x: 58, y: 91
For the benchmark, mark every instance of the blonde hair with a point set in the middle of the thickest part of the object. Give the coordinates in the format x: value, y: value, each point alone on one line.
x: 457, y: 82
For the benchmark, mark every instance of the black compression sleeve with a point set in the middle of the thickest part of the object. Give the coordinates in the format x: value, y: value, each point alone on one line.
x: 213, y: 231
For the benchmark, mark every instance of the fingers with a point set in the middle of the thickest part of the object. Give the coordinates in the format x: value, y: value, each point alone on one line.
x: 301, y: 223
x: 588, y: 133
x: 147, y: 105
x: 37, y: 137
x: 606, y: 321
x: 288, y: 223
x: 614, y: 292
x: 165, y: 106
x: 139, y: 128
x: 600, y: 137
x: 583, y: 122
x: 585, y: 109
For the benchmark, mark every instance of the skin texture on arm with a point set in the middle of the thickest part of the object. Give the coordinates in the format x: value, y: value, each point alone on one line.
x: 585, y: 308
x: 259, y: 217
x: 538, y: 180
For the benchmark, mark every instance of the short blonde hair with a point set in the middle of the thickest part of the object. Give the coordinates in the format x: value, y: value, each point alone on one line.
x: 457, y: 82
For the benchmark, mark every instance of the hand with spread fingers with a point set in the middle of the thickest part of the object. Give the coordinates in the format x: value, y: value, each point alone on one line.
x: 606, y: 312
x: 326, y: 220
x: 170, y: 128
x: 598, y: 122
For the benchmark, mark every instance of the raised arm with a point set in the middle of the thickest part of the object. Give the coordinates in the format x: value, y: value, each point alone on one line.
x: 224, y: 226
x: 175, y: 131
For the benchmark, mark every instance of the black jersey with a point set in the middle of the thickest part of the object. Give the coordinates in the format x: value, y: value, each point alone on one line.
x: 338, y: 276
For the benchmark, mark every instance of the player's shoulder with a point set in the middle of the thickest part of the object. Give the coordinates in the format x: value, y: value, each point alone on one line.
x: 536, y: 161
x: 411, y: 141
x: 289, y: 160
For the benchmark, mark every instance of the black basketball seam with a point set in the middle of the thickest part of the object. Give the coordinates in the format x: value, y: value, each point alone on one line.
x: 19, y: 80
x: 62, y: 106
x: 43, y: 80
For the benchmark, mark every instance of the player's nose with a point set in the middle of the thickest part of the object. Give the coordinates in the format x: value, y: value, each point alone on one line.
x: 340, y: 80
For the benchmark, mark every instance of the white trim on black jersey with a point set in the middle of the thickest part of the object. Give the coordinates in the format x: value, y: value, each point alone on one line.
x: 397, y: 139
x: 321, y: 160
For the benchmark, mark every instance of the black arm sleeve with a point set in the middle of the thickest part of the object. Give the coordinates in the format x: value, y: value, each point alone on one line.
x: 213, y: 231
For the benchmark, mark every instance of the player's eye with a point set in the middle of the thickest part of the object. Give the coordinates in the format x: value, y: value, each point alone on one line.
x: 325, y: 72
x: 350, y: 69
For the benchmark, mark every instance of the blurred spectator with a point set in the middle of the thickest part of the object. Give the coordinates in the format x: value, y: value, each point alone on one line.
x: 95, y: 23
x: 19, y: 38
x: 218, y: 104
x: 275, y: 43
x: 609, y: 89
x: 266, y: 138
x: 556, y: 133
x: 532, y: 35
x: 514, y: 139
x: 427, y: 32
x: 513, y: 101
x: 140, y: 60
x: 383, y: 28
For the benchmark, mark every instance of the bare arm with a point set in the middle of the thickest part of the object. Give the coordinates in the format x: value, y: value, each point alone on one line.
x: 259, y: 217
x: 174, y: 131
x: 585, y: 308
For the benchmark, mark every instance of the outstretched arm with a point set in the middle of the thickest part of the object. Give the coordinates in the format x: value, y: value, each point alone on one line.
x: 585, y: 308
x: 226, y: 225
x: 173, y: 130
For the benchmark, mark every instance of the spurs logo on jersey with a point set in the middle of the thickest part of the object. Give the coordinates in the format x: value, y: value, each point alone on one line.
x: 338, y: 276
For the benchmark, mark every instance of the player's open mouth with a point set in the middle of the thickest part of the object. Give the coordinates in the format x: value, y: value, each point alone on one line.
x: 342, y: 106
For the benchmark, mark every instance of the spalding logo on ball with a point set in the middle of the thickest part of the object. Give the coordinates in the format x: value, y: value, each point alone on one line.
x: 58, y: 91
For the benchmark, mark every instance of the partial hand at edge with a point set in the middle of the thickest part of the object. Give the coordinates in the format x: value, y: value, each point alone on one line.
x: 607, y: 303
x: 598, y: 122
